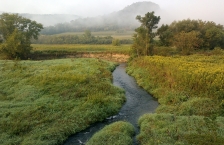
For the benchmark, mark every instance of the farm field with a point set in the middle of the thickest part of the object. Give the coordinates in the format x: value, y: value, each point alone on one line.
x: 114, y: 34
x: 43, y: 102
x: 188, y: 88
x: 123, y: 49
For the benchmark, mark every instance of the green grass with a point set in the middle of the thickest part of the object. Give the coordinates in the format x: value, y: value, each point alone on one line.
x: 167, y: 129
x: 114, y: 34
x: 123, y: 49
x: 118, y: 133
x: 44, y: 102
x: 184, y: 85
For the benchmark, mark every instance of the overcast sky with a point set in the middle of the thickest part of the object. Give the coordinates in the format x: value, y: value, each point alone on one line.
x: 182, y: 9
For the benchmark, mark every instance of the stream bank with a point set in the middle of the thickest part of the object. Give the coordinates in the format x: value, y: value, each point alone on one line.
x: 138, y: 102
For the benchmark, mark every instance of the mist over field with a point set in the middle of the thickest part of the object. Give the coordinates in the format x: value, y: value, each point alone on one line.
x: 169, y: 11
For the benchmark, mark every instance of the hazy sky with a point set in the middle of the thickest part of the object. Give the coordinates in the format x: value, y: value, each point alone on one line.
x: 180, y: 9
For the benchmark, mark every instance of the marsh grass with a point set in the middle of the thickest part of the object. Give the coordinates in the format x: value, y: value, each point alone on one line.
x: 184, y: 85
x: 85, y: 48
x: 118, y: 133
x: 161, y: 129
x: 44, y: 102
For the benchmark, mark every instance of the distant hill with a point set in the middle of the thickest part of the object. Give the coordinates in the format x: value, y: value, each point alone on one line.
x: 120, y: 20
x: 50, y: 19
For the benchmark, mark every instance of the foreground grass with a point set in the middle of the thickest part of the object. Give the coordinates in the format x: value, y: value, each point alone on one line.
x: 168, y: 129
x: 118, y: 133
x: 69, y: 48
x: 43, y: 102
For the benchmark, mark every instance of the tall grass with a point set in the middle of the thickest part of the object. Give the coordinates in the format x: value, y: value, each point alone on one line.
x: 187, y: 85
x: 43, y: 102
x: 118, y: 133
x: 168, y: 129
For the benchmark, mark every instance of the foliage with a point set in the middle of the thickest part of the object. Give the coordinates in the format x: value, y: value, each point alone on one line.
x: 187, y: 42
x: 169, y: 129
x: 118, y: 133
x: 143, y: 40
x: 44, y: 102
x: 16, y: 33
x: 209, y: 34
x: 190, y: 85
x: 116, y: 42
x: 103, y: 37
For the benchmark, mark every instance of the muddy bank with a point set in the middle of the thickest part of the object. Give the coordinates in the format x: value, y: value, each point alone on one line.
x: 138, y: 103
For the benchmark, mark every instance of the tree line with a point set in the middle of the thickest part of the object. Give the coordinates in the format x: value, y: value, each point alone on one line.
x: 16, y: 33
x: 188, y: 35
x: 185, y: 35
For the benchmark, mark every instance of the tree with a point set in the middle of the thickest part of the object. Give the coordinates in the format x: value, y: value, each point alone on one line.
x: 165, y: 35
x: 16, y: 33
x: 148, y: 23
x: 187, y: 42
x: 116, y: 42
x: 209, y: 33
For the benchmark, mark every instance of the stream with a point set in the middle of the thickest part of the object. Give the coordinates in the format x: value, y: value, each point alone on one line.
x: 138, y: 102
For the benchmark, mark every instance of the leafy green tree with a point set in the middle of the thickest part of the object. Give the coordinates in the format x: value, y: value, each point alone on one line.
x: 187, y: 42
x: 165, y: 35
x: 210, y: 34
x: 16, y: 33
x: 148, y: 23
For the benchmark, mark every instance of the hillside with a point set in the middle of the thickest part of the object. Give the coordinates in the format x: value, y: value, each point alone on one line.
x: 117, y: 21
x: 50, y: 19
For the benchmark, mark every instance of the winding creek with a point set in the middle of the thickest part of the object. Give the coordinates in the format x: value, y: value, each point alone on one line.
x: 138, y: 102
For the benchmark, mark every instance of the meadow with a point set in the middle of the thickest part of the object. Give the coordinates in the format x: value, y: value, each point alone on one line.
x: 79, y: 48
x: 184, y: 85
x: 169, y: 129
x: 44, y: 102
x: 190, y: 90
x: 114, y: 34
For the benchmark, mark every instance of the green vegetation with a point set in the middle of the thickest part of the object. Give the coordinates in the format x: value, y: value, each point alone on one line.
x: 118, y: 133
x: 188, y: 35
x: 87, y: 37
x: 143, y: 39
x: 16, y: 33
x: 43, y: 102
x: 70, y: 48
x: 191, y: 85
x: 185, y: 86
x: 116, y: 42
x: 168, y: 129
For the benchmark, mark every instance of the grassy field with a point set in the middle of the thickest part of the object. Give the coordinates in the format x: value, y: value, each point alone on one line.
x: 114, y: 34
x: 124, y: 49
x: 118, y: 133
x: 190, y: 90
x: 184, y: 85
x: 43, y: 102
x: 168, y: 129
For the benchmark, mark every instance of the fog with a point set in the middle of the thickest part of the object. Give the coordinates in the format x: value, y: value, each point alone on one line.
x: 171, y: 10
